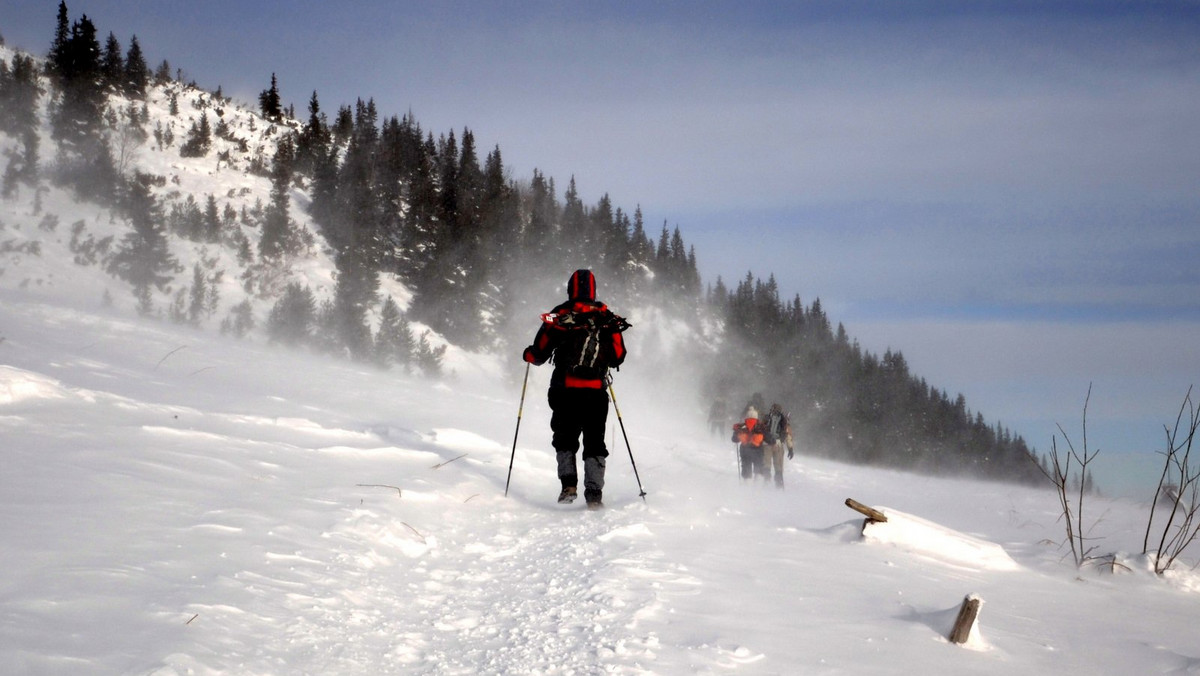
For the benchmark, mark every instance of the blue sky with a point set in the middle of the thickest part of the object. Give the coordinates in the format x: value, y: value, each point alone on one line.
x: 1008, y: 193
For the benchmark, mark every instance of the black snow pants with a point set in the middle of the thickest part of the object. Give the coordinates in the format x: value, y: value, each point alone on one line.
x: 580, y: 411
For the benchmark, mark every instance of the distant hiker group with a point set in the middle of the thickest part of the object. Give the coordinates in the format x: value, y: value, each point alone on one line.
x: 761, y: 442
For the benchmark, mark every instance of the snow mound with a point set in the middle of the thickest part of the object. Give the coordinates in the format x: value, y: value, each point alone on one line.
x: 938, y: 543
x: 18, y: 385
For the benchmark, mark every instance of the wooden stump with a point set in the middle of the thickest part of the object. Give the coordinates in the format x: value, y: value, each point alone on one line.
x: 967, y: 615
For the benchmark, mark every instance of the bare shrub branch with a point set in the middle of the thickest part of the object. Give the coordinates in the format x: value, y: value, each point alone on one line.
x: 1178, y: 489
x: 1060, y: 473
x: 397, y: 488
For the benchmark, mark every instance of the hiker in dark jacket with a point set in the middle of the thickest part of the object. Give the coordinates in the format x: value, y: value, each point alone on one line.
x: 777, y: 433
x: 578, y: 398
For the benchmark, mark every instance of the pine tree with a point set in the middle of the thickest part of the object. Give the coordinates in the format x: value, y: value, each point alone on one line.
x: 357, y: 284
x: 211, y: 228
x: 353, y: 218
x: 447, y: 214
x: 112, y: 65
x: 57, y: 59
x: 576, y: 243
x: 429, y: 358
x: 343, y: 126
x: 19, y: 94
x: 293, y: 317
x: 162, y: 74
x: 240, y: 321
x: 540, y: 235
x: 76, y: 121
x: 279, y: 239
x: 324, y: 189
x: 198, y: 296
x: 137, y: 73
x: 269, y: 103
x: 618, y: 249
x: 143, y: 259
x: 417, y: 158
x: 313, y: 142
x: 461, y: 295
x: 394, y: 342
x: 641, y: 247
x: 199, y: 139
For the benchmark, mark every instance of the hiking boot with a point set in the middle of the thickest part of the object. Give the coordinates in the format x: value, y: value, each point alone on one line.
x: 568, y: 495
x: 593, y: 498
x: 595, y: 505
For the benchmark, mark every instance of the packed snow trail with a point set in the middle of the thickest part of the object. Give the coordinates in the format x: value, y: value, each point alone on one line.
x: 540, y: 599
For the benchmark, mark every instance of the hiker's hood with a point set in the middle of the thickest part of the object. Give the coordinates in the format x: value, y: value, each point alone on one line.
x: 582, y: 285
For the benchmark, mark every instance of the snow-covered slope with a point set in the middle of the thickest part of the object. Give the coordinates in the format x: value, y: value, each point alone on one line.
x: 176, y: 502
x: 54, y: 247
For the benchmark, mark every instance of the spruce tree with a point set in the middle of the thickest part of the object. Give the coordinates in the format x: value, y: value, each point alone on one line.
x: 293, y: 317
x: 343, y: 126
x: 76, y: 121
x: 198, y: 296
x: 57, y: 59
x: 357, y: 283
x: 278, y: 239
x: 112, y: 65
x: 429, y: 358
x: 539, y: 232
x: 269, y: 103
x: 394, y: 343
x: 143, y: 259
x: 313, y: 142
x: 199, y: 139
x: 137, y: 73
x: 418, y: 159
x: 18, y: 117
x: 212, y: 221
x: 324, y: 189
x: 577, y: 243
x: 162, y: 74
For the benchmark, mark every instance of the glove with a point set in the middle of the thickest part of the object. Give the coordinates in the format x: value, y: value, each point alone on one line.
x: 528, y: 355
x: 791, y: 452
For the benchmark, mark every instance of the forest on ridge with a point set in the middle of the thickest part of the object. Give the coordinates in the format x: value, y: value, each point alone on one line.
x: 389, y: 203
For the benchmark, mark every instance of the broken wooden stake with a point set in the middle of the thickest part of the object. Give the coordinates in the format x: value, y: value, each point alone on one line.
x: 967, y: 615
x: 869, y: 512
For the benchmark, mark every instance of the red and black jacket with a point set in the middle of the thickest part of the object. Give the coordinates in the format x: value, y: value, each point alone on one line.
x: 581, y: 290
x: 551, y: 334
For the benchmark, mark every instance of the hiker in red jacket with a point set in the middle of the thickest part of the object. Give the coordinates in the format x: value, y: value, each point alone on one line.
x: 584, y: 338
x: 748, y: 435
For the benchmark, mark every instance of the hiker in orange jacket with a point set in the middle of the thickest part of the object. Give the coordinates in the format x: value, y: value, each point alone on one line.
x: 749, y: 438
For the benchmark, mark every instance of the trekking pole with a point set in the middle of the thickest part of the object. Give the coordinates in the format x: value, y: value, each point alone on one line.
x: 642, y: 491
x: 520, y: 410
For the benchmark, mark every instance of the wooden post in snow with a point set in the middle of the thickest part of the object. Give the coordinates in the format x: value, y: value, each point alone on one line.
x: 869, y: 512
x: 967, y: 614
x: 873, y: 515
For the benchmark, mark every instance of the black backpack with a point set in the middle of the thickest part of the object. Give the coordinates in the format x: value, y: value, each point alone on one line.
x: 585, y: 348
x: 773, y: 428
